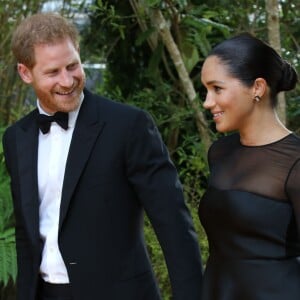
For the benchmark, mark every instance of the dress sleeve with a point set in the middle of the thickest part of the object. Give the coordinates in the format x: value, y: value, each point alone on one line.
x: 293, y: 191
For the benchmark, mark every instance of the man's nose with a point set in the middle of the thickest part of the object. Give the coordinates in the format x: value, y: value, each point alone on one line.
x: 66, y: 79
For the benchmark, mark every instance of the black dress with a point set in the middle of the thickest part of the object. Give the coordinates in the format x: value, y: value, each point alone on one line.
x: 251, y: 214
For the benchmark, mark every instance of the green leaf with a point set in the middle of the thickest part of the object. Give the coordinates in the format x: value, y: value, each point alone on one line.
x: 153, y: 3
x: 8, y: 262
x: 144, y: 35
x: 8, y: 235
x: 190, y: 56
x: 155, y: 60
x: 201, y: 23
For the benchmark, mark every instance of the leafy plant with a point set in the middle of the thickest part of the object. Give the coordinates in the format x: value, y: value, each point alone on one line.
x: 158, y: 262
x: 8, y: 264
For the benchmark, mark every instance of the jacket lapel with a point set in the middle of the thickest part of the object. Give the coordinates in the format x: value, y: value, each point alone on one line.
x: 88, y: 128
x: 27, y: 147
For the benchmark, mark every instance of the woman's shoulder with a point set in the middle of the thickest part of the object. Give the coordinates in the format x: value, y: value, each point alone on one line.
x: 294, y: 139
x: 291, y: 146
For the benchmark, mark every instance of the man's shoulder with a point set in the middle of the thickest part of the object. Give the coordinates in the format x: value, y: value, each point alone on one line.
x: 110, y: 107
x: 23, y: 121
x: 10, y: 133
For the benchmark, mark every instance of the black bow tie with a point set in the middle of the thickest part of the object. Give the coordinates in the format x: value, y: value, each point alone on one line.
x: 44, y: 121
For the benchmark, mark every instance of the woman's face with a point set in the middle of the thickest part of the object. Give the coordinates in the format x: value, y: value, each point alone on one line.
x: 228, y: 99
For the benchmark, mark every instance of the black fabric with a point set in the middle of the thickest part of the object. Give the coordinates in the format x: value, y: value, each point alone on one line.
x: 117, y: 165
x: 251, y: 214
x: 44, y: 121
x: 49, y: 291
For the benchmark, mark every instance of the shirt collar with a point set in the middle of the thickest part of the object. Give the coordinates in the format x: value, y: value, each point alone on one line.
x: 72, y: 114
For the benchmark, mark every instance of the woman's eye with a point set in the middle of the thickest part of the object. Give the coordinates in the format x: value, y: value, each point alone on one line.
x: 217, y: 89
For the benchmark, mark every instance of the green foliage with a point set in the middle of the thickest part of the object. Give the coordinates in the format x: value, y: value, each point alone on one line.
x: 157, y: 257
x: 293, y: 114
x: 203, y: 242
x: 158, y: 260
x: 13, y: 95
x: 188, y: 154
x: 192, y: 167
x: 154, y: 3
x: 143, y: 76
x: 8, y: 266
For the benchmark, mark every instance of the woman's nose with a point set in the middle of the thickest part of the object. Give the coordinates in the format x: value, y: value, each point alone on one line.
x: 209, y: 102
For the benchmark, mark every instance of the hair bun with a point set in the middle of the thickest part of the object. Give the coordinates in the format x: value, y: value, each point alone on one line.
x: 288, y: 79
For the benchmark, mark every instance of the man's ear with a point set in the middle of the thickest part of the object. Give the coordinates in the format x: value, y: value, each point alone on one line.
x: 25, y: 73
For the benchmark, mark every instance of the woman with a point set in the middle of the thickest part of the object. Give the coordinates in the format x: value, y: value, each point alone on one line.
x: 251, y: 209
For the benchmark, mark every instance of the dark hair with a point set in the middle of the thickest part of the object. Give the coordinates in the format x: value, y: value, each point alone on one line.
x: 248, y: 58
x: 41, y: 28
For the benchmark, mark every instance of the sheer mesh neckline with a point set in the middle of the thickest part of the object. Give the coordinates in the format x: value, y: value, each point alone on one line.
x: 262, y: 170
x: 268, y: 144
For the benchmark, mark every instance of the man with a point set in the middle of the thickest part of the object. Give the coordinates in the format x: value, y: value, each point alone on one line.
x: 79, y: 190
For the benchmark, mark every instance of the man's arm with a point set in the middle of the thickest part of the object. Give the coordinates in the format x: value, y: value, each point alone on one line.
x: 156, y: 182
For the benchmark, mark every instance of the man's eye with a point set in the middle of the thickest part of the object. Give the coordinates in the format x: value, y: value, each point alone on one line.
x: 72, y: 66
x: 52, y: 72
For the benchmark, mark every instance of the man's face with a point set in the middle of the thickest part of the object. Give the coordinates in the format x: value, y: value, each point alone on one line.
x: 57, y: 76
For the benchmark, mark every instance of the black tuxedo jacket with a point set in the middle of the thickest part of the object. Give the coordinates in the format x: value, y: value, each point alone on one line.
x: 117, y: 167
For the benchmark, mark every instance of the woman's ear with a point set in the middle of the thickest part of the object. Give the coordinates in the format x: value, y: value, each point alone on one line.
x: 25, y: 73
x: 259, y: 87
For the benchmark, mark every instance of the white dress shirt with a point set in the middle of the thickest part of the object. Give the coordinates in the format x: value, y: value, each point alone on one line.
x: 53, y: 151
